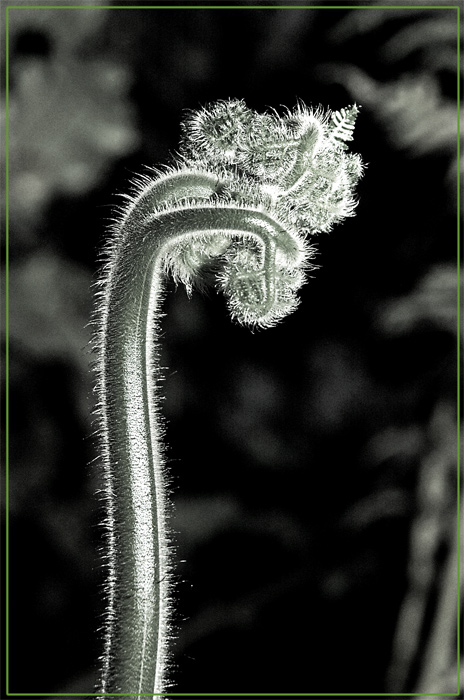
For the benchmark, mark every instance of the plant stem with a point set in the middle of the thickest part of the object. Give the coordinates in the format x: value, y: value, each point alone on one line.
x: 131, y: 430
x: 239, y: 215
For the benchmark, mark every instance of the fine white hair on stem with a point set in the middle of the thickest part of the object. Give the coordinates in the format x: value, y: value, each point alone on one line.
x: 245, y: 193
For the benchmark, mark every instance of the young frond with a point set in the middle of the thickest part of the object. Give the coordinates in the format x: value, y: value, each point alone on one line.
x: 342, y: 125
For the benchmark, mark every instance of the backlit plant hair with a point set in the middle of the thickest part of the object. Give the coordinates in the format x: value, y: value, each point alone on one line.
x: 246, y: 192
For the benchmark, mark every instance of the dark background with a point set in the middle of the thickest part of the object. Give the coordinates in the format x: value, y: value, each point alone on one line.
x: 312, y: 465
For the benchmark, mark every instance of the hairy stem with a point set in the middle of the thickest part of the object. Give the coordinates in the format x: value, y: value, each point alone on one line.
x: 223, y: 201
x: 131, y: 432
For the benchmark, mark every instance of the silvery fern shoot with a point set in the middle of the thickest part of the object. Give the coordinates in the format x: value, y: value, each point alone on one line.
x: 244, y: 198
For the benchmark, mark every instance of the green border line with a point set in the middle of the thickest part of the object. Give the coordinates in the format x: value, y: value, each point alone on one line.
x: 233, y: 7
x: 458, y: 426
x: 7, y: 357
x: 221, y: 7
x: 235, y: 695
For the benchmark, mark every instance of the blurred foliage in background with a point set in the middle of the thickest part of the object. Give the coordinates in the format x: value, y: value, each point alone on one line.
x: 313, y: 466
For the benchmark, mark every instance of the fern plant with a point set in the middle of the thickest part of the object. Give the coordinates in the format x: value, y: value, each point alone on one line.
x: 245, y: 193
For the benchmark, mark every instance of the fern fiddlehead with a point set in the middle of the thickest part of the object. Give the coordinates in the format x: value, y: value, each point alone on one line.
x: 246, y: 191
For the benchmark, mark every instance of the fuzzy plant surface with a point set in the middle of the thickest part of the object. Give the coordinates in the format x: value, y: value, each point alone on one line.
x: 242, y: 201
